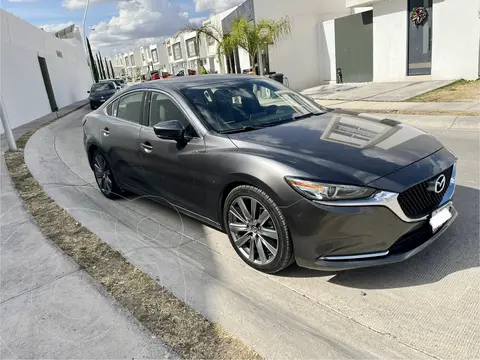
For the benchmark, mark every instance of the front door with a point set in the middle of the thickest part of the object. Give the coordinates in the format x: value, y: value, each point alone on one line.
x: 420, y: 37
x: 172, y: 170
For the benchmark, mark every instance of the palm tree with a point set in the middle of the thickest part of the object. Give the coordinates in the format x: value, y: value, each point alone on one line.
x: 203, y: 32
x: 256, y: 36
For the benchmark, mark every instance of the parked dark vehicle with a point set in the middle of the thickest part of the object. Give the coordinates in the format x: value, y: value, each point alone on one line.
x: 101, y: 92
x: 120, y: 83
x: 286, y: 179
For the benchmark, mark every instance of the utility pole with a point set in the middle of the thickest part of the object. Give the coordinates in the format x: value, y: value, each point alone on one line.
x: 85, y: 36
x: 12, y: 146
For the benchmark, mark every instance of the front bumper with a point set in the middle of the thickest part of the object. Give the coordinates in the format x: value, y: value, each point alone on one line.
x: 362, y: 234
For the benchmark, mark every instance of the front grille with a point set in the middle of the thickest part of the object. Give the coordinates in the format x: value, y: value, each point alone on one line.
x: 417, y: 201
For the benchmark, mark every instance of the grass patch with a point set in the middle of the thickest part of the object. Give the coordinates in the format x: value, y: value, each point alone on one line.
x: 418, y: 112
x: 461, y: 90
x: 189, y: 333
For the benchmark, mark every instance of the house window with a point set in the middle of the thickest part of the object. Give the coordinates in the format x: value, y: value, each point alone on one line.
x: 210, y: 40
x: 143, y: 56
x: 132, y: 60
x: 155, y: 55
x: 177, y: 51
x: 169, y: 51
x: 126, y: 61
x: 192, y: 47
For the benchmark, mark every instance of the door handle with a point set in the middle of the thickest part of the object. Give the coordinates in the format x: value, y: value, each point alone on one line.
x: 106, y: 132
x: 147, y: 147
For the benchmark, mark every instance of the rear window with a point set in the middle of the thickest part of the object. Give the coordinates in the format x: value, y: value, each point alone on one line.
x: 103, y: 87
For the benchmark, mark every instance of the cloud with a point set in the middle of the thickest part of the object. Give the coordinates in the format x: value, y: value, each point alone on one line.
x: 80, y: 4
x: 216, y: 5
x: 139, y: 22
x: 198, y: 20
x: 55, y: 27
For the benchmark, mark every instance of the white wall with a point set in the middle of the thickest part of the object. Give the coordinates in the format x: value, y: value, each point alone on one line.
x: 328, y: 62
x: 298, y: 57
x: 21, y: 83
x: 455, y: 43
x: 390, y: 40
x: 455, y: 40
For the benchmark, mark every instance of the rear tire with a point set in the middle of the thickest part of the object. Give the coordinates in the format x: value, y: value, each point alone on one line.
x: 257, y: 229
x: 104, y: 176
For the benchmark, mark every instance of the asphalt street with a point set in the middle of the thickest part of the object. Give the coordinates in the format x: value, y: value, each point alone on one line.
x: 426, y: 307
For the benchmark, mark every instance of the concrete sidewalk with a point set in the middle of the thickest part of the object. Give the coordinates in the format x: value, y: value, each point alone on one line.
x: 49, y: 307
x: 402, y: 106
x: 375, y: 91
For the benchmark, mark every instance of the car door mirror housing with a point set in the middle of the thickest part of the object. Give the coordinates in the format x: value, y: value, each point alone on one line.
x: 169, y: 130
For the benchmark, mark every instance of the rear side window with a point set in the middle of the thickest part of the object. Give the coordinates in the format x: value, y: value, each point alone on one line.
x: 129, y: 107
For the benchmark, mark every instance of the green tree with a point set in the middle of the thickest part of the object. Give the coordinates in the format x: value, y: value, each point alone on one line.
x: 111, y: 69
x: 102, y: 69
x: 108, y: 70
x: 92, y: 62
x: 99, y: 66
x: 256, y: 36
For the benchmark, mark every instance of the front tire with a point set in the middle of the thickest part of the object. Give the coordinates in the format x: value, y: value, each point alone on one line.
x: 257, y: 229
x: 104, y: 176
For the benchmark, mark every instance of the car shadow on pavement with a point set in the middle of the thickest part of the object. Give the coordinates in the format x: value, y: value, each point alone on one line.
x: 456, y: 250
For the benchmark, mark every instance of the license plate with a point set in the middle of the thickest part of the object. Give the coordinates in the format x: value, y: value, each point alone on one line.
x: 439, y: 218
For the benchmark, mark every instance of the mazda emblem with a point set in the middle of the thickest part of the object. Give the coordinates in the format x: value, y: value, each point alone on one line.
x: 440, y: 183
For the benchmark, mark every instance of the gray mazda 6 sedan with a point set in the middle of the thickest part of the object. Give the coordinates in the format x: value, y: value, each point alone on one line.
x: 286, y: 179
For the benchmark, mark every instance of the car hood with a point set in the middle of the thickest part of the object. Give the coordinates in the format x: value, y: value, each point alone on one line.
x: 358, y: 148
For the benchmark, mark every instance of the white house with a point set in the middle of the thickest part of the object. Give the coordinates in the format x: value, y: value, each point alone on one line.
x: 298, y: 57
x: 441, y: 43
x: 38, y: 71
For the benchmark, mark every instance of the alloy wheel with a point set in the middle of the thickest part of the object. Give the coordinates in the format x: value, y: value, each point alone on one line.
x: 253, y: 230
x: 103, y: 175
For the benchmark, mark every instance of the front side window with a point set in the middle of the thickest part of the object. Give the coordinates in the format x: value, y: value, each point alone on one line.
x: 162, y: 108
x: 236, y: 106
x: 154, y: 55
x: 130, y: 107
x: 177, y: 51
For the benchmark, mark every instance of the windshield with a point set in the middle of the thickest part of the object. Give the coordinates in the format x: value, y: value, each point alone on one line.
x: 103, y: 86
x: 247, y: 105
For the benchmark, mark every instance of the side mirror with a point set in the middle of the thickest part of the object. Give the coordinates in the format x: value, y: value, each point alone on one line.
x: 169, y: 130
x: 88, y: 91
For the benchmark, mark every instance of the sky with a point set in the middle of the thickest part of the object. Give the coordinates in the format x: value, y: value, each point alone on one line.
x: 118, y: 25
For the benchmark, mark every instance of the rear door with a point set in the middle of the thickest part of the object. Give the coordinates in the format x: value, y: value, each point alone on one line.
x: 120, y: 137
x: 172, y: 170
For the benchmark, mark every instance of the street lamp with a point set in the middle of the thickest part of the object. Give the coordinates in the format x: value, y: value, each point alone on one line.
x: 85, y: 37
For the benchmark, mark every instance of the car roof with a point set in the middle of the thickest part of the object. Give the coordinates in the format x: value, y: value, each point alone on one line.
x: 183, y: 82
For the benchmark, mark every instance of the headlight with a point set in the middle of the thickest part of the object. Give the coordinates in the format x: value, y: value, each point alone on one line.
x: 320, y: 191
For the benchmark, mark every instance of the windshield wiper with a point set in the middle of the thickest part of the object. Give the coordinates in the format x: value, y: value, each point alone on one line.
x: 298, y: 116
x: 242, y: 129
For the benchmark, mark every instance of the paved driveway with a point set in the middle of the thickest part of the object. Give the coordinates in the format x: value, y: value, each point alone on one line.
x: 426, y: 307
